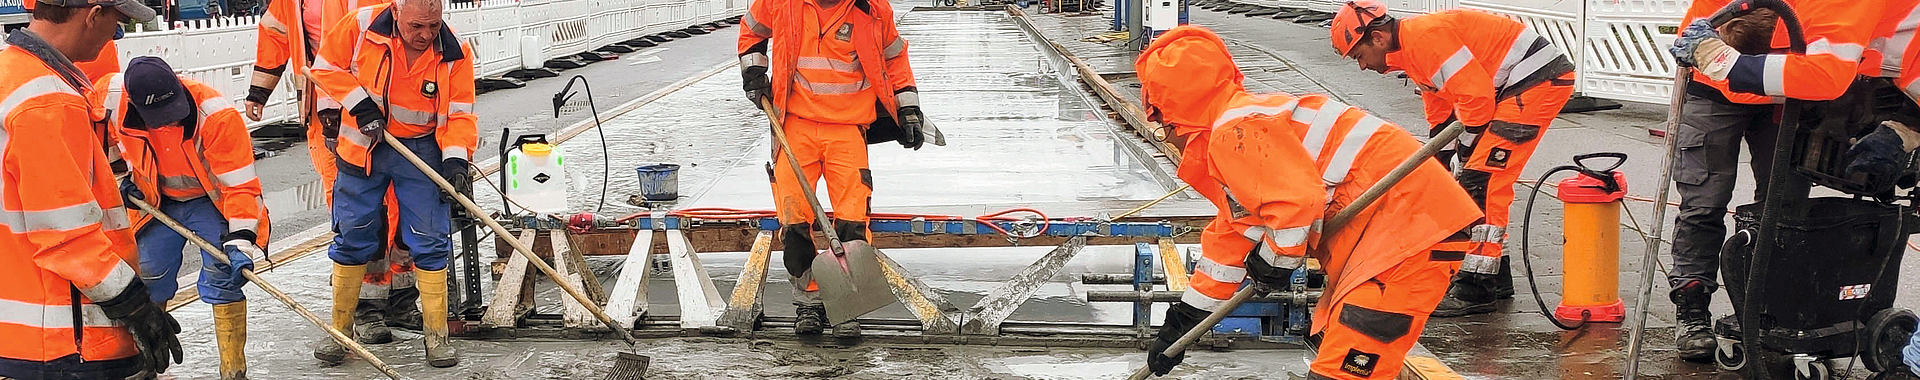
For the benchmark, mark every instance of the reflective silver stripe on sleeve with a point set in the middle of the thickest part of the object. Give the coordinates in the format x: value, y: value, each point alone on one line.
x: 52, y: 316
x: 1846, y: 52
x: 237, y: 177
x: 356, y: 96
x: 1453, y: 65
x: 907, y: 99
x: 115, y: 218
x: 454, y: 152
x: 273, y: 23
x: 1349, y: 149
x: 1913, y: 90
x: 894, y: 49
x: 459, y: 107
x: 113, y: 284
x: 59, y: 219
x: 237, y: 224
x: 758, y: 29
x: 214, y: 104
x: 754, y: 59
x: 1774, y: 78
x: 1893, y: 49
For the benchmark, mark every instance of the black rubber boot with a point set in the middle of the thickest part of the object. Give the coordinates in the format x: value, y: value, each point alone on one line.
x: 812, y: 321
x: 1503, y: 281
x: 1471, y: 293
x: 403, y: 308
x: 1695, y: 341
x: 369, y: 322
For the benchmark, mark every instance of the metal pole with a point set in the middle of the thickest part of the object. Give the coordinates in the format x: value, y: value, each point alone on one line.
x: 1637, y: 336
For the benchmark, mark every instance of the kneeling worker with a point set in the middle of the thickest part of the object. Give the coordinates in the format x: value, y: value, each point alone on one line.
x: 1278, y: 165
x: 397, y: 69
x: 184, y: 144
x: 1502, y: 80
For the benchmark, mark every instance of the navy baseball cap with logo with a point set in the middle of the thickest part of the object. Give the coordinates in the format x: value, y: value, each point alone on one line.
x: 156, y: 93
x: 134, y: 9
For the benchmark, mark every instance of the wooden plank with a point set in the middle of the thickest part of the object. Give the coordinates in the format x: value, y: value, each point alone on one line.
x: 935, y: 314
x: 1174, y: 264
x: 628, y: 301
x: 744, y: 308
x: 573, y: 315
x: 504, y: 311
x: 986, y: 315
x: 700, y: 302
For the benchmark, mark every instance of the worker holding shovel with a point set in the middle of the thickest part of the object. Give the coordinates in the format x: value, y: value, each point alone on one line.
x: 187, y: 151
x: 397, y: 69
x: 842, y: 82
x: 1276, y: 166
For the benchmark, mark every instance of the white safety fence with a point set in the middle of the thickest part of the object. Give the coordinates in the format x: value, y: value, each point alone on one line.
x: 505, y: 35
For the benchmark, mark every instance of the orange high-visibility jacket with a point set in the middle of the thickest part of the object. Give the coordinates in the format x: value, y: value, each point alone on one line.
x: 1896, y: 53
x: 361, y: 60
x: 1466, y: 61
x: 860, y: 61
x: 282, y: 45
x: 1288, y: 163
x: 220, y: 163
x: 62, y: 225
x: 107, y: 64
x: 1704, y: 8
x: 1838, y: 35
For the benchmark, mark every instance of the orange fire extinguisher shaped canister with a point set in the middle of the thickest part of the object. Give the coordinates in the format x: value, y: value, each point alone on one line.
x: 1592, y: 249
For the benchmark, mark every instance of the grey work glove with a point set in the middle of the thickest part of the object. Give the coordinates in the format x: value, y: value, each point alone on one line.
x: 912, y: 124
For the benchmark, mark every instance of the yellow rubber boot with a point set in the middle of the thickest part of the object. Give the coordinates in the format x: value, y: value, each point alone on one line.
x: 432, y: 285
x: 230, y: 333
x: 346, y: 295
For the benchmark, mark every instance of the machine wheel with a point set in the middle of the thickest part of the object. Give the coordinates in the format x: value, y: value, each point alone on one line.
x: 1730, y: 356
x: 1813, y: 370
x: 1887, y: 333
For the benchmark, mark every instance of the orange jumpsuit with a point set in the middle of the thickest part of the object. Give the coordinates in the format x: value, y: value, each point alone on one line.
x: 65, y: 240
x: 1276, y: 166
x: 1506, y: 84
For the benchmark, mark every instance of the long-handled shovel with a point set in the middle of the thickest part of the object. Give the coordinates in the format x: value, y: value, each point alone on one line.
x: 851, y: 280
x: 218, y: 254
x: 1340, y: 219
x: 627, y: 365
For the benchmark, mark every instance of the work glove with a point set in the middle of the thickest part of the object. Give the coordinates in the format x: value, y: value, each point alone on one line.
x: 240, y: 250
x: 372, y: 121
x: 911, y: 124
x: 1180, y: 318
x: 1883, y: 152
x: 129, y: 192
x: 1277, y: 275
x: 1911, y: 354
x: 153, y: 329
x: 1701, y: 48
x: 759, y: 88
x: 455, y: 171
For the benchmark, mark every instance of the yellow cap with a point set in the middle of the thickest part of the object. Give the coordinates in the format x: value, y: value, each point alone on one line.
x: 537, y: 149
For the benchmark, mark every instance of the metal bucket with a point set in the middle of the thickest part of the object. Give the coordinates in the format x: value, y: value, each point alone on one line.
x: 659, y: 182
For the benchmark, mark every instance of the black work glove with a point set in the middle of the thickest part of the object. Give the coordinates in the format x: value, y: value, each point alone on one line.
x: 372, y: 121
x: 754, y: 80
x: 1275, y: 275
x: 911, y: 123
x: 1880, y: 153
x: 455, y: 171
x: 129, y: 192
x: 153, y: 329
x: 1180, y: 319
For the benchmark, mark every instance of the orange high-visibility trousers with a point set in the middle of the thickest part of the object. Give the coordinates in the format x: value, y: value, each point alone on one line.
x: 837, y: 152
x: 1372, y: 327
x: 1499, y: 156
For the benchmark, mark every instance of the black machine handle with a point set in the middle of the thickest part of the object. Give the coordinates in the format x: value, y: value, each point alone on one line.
x: 1797, y: 38
x: 1605, y: 176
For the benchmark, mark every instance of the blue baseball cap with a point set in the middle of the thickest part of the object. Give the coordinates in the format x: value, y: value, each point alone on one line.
x: 156, y: 92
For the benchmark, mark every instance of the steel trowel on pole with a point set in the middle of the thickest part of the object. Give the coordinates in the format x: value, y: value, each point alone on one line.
x: 852, y: 283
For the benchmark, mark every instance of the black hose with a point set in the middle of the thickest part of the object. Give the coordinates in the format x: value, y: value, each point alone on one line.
x: 1526, y: 261
x: 606, y: 162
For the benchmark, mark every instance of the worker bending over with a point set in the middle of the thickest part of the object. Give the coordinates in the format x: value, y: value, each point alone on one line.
x: 289, y: 37
x: 183, y: 143
x: 842, y: 67
x: 397, y: 69
x: 76, y: 309
x: 1502, y: 80
x: 1277, y: 165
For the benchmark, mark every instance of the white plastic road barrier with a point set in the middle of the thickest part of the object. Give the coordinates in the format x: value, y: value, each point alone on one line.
x: 220, y: 51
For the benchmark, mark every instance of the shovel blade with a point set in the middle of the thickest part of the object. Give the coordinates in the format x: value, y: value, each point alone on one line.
x: 854, y: 288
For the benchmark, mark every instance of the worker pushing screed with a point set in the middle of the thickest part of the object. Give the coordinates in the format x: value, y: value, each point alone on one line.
x: 396, y: 68
x: 841, y: 82
x: 187, y: 152
x: 1498, y: 77
x: 1276, y: 165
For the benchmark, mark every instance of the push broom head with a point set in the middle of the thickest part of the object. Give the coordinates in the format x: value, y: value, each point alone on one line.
x: 629, y: 366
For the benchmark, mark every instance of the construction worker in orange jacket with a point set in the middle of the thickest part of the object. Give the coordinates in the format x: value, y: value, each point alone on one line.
x: 1277, y: 165
x: 184, y: 143
x: 397, y: 69
x: 843, y: 66
x: 1502, y: 80
x: 289, y: 36
x: 75, y: 307
x: 107, y: 63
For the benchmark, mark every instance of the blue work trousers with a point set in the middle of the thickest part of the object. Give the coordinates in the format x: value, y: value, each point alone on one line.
x: 359, y: 211
x: 161, y: 250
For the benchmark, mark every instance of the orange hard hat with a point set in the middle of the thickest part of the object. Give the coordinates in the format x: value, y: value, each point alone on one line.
x: 1184, y: 75
x: 1352, y: 23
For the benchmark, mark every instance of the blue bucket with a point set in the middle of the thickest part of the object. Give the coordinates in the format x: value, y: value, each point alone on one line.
x: 659, y: 182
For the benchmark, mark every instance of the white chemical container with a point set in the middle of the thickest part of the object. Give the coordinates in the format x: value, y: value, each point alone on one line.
x: 537, y: 179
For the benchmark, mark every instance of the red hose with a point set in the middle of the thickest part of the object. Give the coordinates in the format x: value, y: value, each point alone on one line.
x: 1910, y: 245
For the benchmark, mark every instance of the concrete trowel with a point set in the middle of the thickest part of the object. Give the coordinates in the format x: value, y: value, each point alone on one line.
x: 851, y: 281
